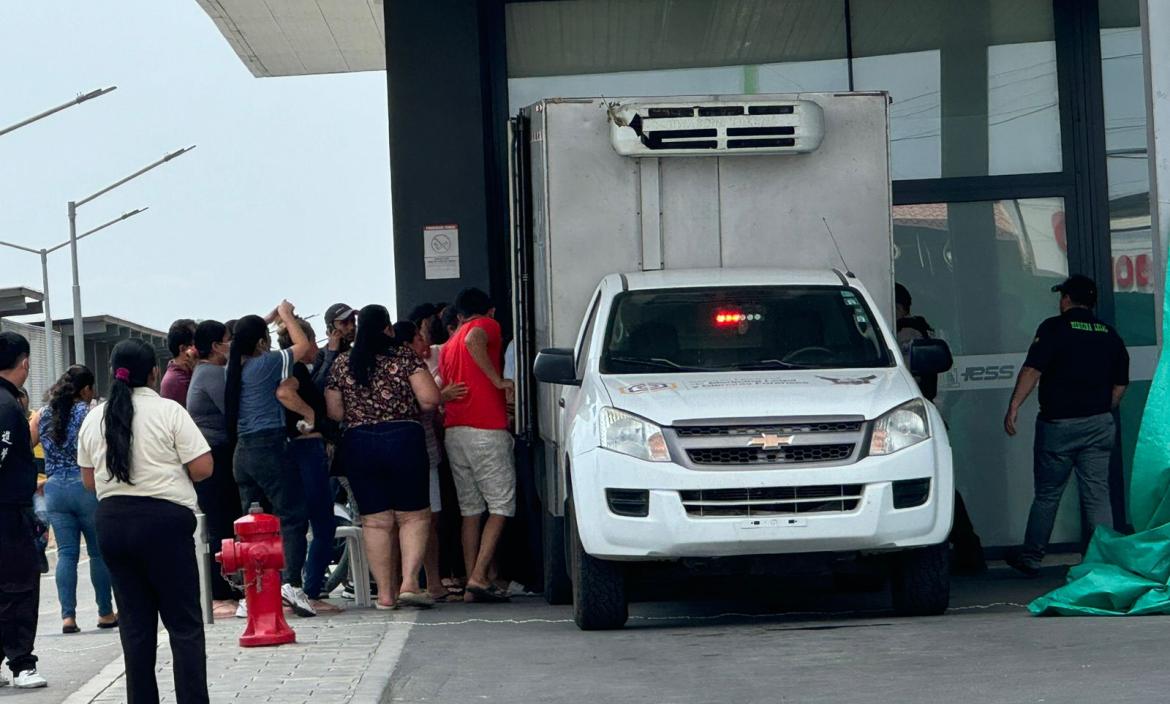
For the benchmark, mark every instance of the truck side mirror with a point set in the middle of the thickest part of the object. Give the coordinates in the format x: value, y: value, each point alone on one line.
x: 930, y: 356
x: 556, y: 366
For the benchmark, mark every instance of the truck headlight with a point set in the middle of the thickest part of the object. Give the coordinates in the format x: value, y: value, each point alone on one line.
x: 903, y: 427
x: 630, y: 435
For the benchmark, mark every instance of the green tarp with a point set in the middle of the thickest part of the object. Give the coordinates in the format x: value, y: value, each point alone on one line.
x: 1129, y: 575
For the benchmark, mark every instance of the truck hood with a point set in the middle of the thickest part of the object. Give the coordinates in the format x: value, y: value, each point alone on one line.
x: 667, y: 399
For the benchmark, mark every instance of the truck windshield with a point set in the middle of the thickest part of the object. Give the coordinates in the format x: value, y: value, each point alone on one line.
x: 741, y: 329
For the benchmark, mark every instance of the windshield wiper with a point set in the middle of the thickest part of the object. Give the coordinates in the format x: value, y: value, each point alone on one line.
x: 768, y: 364
x: 655, y: 363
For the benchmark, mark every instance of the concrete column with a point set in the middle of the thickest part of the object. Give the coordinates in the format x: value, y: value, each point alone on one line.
x: 1156, y: 13
x: 447, y: 86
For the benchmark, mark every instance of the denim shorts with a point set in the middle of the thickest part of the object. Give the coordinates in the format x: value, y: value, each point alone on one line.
x: 387, y: 466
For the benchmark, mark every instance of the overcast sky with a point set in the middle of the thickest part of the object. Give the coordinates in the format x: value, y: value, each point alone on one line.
x: 287, y: 194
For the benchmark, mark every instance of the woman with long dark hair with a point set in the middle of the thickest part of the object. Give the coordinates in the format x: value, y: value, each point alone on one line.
x: 71, y: 508
x: 142, y: 454
x: 255, y: 419
x: 380, y: 390
x: 219, y: 498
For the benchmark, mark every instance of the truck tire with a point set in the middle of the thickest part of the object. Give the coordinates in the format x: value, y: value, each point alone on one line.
x: 921, y: 581
x: 558, y: 591
x: 599, y: 587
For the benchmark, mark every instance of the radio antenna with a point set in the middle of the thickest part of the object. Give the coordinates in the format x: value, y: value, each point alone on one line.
x: 838, y: 248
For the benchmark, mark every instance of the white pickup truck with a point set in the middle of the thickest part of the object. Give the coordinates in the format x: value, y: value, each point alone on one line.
x: 717, y: 413
x: 738, y: 392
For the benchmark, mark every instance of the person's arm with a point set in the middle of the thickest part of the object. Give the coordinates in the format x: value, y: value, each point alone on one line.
x: 87, y: 479
x: 425, y: 390
x: 287, y: 394
x: 9, y: 419
x: 334, y: 405
x: 300, y: 341
x: 1118, y: 392
x: 321, y: 373
x: 192, y: 449
x: 201, y: 467
x: 1025, y: 383
x: 34, y: 428
x: 477, y: 346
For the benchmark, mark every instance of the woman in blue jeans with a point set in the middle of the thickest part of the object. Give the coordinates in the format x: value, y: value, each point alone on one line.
x: 71, y: 508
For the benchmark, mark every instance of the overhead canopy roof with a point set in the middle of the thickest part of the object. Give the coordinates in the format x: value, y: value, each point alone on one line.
x: 564, y: 37
x: 15, y: 302
x: 110, y: 330
x: 298, y: 37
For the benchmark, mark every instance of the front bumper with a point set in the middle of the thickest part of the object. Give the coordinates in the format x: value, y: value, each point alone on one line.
x: 669, y: 532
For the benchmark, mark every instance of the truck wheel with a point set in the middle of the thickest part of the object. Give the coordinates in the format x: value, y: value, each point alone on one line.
x: 921, y: 581
x: 599, y: 587
x: 558, y: 591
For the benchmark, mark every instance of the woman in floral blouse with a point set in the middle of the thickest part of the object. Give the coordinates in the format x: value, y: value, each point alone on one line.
x: 378, y: 391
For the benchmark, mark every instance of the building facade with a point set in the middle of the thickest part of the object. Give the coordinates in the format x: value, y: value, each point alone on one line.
x: 1021, y: 136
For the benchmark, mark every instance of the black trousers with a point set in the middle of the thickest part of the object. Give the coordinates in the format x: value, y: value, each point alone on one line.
x: 20, y: 587
x: 267, y: 476
x: 149, y: 549
x: 18, y: 627
x: 219, y: 499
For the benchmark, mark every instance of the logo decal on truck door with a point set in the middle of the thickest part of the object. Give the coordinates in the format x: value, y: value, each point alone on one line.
x: 647, y: 387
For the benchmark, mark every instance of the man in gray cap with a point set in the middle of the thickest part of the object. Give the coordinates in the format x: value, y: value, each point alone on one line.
x: 341, y: 326
x: 1082, y: 367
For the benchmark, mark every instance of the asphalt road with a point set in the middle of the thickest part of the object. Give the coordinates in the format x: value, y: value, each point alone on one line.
x: 767, y: 646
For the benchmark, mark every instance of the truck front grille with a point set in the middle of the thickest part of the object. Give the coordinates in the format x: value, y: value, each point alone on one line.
x: 693, y: 431
x: 787, y: 455
x: 772, y: 501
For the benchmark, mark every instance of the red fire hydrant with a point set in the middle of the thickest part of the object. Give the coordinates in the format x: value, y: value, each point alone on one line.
x: 258, y: 552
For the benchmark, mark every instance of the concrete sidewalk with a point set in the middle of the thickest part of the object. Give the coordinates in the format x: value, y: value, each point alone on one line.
x: 346, y: 657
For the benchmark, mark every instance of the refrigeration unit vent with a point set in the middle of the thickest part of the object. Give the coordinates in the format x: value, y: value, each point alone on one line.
x: 718, y: 128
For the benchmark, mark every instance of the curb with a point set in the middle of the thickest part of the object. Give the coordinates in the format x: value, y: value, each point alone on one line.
x: 374, y: 685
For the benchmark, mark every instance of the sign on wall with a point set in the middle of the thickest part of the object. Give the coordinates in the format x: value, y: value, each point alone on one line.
x: 441, y: 251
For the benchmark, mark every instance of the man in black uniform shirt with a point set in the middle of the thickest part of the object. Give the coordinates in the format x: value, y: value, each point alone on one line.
x: 1082, y: 367
x: 20, y: 568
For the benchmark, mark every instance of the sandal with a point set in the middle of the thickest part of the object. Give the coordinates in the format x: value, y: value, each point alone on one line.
x: 419, y: 600
x: 383, y: 607
x: 489, y: 595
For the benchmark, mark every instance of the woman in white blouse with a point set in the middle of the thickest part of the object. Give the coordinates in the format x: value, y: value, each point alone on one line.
x: 142, y: 454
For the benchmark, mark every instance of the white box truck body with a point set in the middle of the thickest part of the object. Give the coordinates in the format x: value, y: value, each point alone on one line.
x: 710, y: 280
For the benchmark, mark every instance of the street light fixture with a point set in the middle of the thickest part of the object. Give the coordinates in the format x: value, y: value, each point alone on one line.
x: 50, y: 367
x: 76, y: 101
x: 78, y: 331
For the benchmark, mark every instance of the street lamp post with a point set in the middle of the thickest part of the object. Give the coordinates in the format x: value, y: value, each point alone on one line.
x: 78, y: 331
x: 76, y: 101
x: 43, y: 253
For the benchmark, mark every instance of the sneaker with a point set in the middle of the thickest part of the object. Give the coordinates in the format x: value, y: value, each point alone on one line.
x: 29, y: 679
x: 242, y: 609
x: 296, y: 598
x: 347, y: 592
x: 1016, y: 562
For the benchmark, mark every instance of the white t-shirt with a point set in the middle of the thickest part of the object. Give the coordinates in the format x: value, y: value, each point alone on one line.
x: 164, y: 440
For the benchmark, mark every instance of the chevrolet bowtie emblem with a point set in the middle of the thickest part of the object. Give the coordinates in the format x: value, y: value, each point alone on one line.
x: 768, y: 441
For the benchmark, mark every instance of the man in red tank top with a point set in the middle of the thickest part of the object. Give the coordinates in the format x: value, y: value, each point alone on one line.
x: 479, y: 446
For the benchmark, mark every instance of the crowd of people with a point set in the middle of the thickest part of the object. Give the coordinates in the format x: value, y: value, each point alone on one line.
x: 393, y: 415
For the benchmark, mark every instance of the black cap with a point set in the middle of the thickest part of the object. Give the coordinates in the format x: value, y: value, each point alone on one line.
x: 1080, y: 289
x: 339, y: 311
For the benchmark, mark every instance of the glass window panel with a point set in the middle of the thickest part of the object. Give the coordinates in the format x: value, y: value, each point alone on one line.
x: 617, y: 48
x: 566, y: 37
x: 1135, y: 269
x: 973, y: 84
x: 981, y: 274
